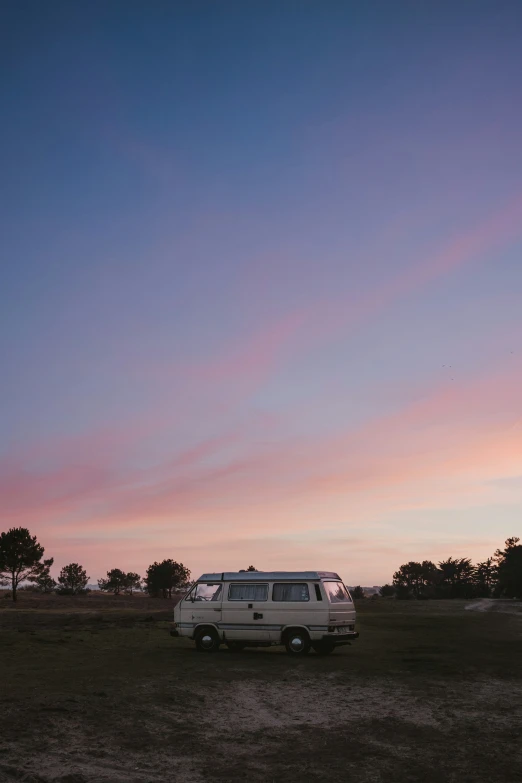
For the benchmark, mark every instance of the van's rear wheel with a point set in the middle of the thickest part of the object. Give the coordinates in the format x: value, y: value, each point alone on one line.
x: 297, y: 642
x: 323, y: 648
x: 236, y: 646
x: 207, y: 640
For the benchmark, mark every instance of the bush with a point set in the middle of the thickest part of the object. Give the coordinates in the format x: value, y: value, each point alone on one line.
x: 73, y: 580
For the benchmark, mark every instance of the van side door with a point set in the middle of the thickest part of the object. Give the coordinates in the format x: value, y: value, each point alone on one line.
x: 245, y: 611
x: 296, y: 604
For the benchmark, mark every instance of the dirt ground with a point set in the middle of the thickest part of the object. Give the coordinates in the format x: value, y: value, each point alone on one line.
x: 495, y: 605
x: 100, y: 692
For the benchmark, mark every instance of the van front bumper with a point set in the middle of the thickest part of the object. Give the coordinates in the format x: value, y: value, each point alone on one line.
x: 341, y: 638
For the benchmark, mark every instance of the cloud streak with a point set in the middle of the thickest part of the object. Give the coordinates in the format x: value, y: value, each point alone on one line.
x: 257, y: 357
x: 498, y: 230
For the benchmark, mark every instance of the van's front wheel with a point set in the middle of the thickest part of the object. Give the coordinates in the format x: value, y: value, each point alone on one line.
x: 297, y: 642
x: 207, y: 640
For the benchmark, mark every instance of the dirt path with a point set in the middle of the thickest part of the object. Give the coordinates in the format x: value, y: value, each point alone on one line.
x: 495, y: 605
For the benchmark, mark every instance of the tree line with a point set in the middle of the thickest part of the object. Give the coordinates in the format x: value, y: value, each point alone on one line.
x: 499, y: 576
x: 22, y: 560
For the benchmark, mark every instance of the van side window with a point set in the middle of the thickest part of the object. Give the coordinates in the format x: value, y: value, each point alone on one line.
x: 290, y: 592
x: 248, y: 593
x: 318, y: 593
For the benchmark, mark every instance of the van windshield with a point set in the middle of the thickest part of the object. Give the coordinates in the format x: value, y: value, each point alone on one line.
x: 204, y: 592
x: 337, y: 593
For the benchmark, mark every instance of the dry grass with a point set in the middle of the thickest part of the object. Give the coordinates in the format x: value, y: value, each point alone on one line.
x: 34, y: 610
x: 430, y: 692
x: 94, y: 600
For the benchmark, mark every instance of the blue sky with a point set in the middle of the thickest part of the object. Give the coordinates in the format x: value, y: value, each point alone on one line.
x: 240, y: 240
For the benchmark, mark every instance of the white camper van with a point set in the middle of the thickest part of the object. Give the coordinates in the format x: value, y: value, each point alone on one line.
x: 299, y: 609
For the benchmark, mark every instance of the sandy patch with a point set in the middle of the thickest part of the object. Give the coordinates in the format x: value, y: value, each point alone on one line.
x: 495, y: 605
x: 254, y: 706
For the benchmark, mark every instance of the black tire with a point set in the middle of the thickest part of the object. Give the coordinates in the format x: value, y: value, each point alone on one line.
x: 207, y: 640
x: 297, y: 642
x: 236, y: 646
x: 323, y: 648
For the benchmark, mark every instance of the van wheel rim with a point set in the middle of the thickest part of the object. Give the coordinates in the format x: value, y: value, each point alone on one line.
x: 207, y: 641
x: 296, y: 643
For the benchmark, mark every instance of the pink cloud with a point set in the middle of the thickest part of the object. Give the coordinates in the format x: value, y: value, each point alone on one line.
x: 227, y: 380
x: 499, y: 229
x: 450, y: 435
x: 258, y: 356
x: 252, y: 358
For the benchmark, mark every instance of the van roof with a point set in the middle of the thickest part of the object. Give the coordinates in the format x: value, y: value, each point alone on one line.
x: 256, y: 576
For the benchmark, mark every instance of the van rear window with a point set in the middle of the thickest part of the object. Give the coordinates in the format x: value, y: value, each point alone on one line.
x: 290, y: 592
x: 337, y: 593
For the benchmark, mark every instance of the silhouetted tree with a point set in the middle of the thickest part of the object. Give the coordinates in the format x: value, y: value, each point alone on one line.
x: 509, y: 564
x: 115, y: 582
x: 387, y: 591
x: 251, y: 568
x: 162, y: 578
x: 457, y: 577
x: 43, y: 581
x: 118, y: 581
x: 406, y: 579
x: 508, y: 544
x: 430, y: 580
x: 485, y: 577
x: 20, y: 556
x: 357, y: 592
x: 415, y: 580
x: 73, y: 579
x: 132, y: 582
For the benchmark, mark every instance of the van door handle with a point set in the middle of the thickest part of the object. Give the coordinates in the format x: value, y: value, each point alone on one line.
x: 258, y: 616
x: 217, y: 610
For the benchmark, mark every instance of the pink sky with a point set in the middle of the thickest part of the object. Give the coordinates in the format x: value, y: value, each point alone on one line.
x: 259, y: 492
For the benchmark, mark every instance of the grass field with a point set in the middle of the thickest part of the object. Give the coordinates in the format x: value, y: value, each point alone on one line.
x: 96, y: 690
